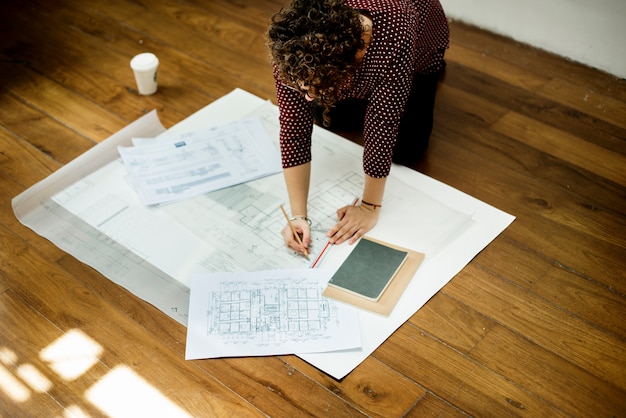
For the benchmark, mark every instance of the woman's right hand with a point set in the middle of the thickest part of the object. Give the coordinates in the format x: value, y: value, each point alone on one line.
x: 303, y: 230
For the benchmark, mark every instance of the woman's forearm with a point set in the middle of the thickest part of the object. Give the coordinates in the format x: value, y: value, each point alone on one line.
x: 297, y: 181
x: 373, y: 190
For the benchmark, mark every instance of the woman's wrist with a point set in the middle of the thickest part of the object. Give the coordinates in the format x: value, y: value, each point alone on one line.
x: 301, y: 218
x: 370, y: 206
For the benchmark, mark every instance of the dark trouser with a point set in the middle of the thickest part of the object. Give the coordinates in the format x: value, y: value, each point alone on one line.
x: 415, y: 126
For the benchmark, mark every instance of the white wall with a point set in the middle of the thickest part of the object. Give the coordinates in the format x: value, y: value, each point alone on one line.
x: 592, y: 32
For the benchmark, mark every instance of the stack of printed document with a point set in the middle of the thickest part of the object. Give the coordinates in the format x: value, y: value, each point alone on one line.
x: 175, y: 167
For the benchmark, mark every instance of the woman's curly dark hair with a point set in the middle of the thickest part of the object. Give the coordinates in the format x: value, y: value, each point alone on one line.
x: 314, y: 43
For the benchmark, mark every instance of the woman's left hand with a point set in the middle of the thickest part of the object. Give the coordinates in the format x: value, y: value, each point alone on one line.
x: 354, y: 222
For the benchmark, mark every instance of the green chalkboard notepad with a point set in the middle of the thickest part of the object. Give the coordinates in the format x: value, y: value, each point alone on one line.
x: 369, y: 269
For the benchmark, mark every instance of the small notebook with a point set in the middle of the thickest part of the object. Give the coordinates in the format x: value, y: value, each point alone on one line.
x: 369, y: 269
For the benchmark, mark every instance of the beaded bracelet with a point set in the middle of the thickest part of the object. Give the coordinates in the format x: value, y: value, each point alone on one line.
x: 301, y: 218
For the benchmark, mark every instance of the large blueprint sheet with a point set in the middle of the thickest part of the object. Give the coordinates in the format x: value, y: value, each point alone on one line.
x: 89, y: 209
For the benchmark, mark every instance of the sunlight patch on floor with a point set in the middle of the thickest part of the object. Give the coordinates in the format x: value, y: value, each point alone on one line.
x: 12, y: 386
x: 119, y: 393
x: 123, y: 393
x: 72, y: 354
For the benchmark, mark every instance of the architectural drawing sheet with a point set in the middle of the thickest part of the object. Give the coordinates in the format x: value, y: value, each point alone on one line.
x: 178, y: 167
x: 89, y: 209
x: 266, y: 313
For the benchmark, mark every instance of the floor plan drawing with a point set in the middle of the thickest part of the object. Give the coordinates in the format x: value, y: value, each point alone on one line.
x: 259, y: 313
x: 277, y: 311
x: 242, y: 223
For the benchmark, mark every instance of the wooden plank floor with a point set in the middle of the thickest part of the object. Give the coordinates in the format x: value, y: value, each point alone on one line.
x: 535, y: 325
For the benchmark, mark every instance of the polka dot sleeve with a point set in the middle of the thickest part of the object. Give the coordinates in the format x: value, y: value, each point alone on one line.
x: 296, y: 124
x: 409, y: 37
x: 391, y: 64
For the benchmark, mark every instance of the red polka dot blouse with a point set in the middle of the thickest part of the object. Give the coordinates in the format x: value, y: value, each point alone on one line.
x: 408, y: 37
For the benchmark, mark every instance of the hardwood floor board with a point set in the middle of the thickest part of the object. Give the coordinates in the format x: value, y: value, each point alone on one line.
x: 453, y: 322
x: 254, y: 14
x: 477, y: 147
x: 22, y: 162
x: 15, y: 395
x: 236, y: 26
x: 68, y: 108
x: 86, y: 76
x: 514, y: 261
x: 543, y: 186
x: 468, y: 107
x: 493, y: 66
x: 431, y: 406
x: 49, y: 137
x: 489, y: 88
x: 581, y: 255
x: 373, y: 387
x: 596, y: 222
x: 25, y: 347
x: 548, y: 375
x: 534, y: 105
x: 41, y: 284
x: 561, y: 244
x: 532, y: 200
x: 449, y: 374
x: 203, y: 53
x: 600, y: 306
x: 543, y: 323
x: 537, y: 60
x: 276, y: 388
x: 456, y: 172
x: 565, y: 146
x: 587, y: 101
x: 563, y: 101
x: 575, y: 122
x: 109, y: 48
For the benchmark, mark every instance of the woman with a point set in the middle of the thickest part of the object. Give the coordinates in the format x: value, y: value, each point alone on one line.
x: 373, y: 63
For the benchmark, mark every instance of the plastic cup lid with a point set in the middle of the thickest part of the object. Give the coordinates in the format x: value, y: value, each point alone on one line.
x: 144, y: 61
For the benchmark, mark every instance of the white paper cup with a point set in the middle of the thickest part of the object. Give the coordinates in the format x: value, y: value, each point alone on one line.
x: 144, y: 67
